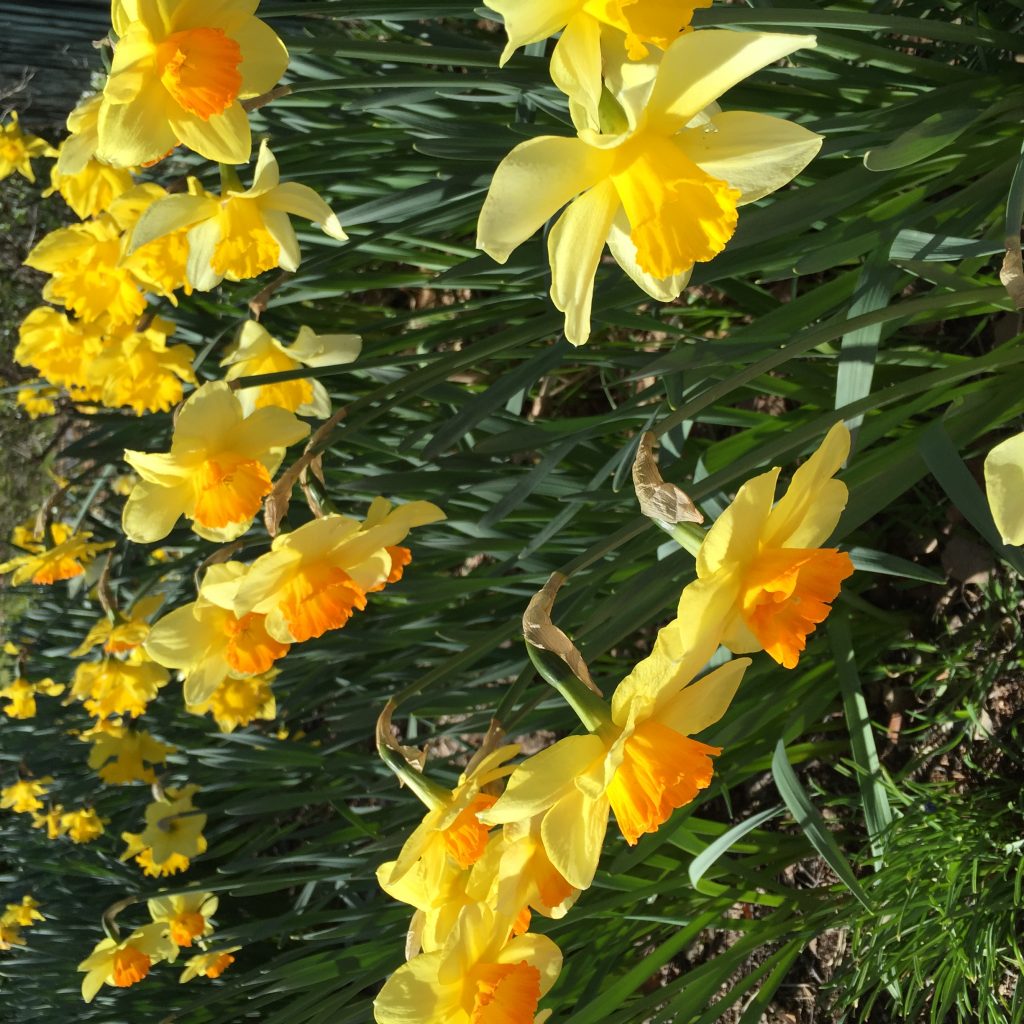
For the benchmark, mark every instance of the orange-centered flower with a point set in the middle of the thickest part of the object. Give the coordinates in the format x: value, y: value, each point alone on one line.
x: 199, y: 68
x: 505, y: 993
x: 130, y: 966
x: 761, y: 566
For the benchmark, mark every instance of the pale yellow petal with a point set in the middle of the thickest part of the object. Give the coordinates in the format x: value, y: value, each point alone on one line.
x: 302, y: 201
x: 529, y: 21
x: 151, y: 511
x: 736, y: 535
x: 624, y: 250
x: 573, y: 833
x: 1004, y: 482
x: 264, y: 57
x: 225, y: 138
x: 704, y: 702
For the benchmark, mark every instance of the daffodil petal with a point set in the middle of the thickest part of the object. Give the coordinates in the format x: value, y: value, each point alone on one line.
x: 624, y: 250
x: 704, y: 702
x: 529, y: 21
x: 302, y: 201
x: 224, y: 137
x: 574, y: 250
x: 576, y: 68
x: 532, y: 184
x: 152, y: 510
x: 754, y: 153
x: 737, y: 531
x: 265, y: 57
x: 573, y: 833
x: 1004, y: 482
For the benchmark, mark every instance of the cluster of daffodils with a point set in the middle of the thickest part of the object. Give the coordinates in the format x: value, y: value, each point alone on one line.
x: 15, y: 917
x: 657, y: 170
x: 510, y: 841
x: 177, y: 922
x: 182, y: 76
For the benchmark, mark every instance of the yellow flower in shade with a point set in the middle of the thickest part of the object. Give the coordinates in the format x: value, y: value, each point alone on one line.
x: 173, y: 832
x: 256, y: 353
x: 242, y: 233
x: 92, y: 189
x: 660, y: 183
x: 120, y: 633
x: 118, y: 687
x: 61, y: 349
x: 87, y: 274
x: 313, y: 578
x: 10, y: 935
x: 177, y: 74
x: 71, y: 552
x: 451, y: 822
x: 209, y: 965
x: 38, y: 401
x: 160, y: 264
x: 22, y: 797
x: 120, y: 754
x: 638, y: 761
x: 82, y: 826
x: 208, y: 643
x: 21, y: 696
x: 1004, y: 483
x: 187, y: 917
x: 51, y: 821
x: 140, y: 370
x: 18, y: 149
x: 218, y: 471
x: 239, y: 702
x: 761, y: 567
x: 479, y: 976
x: 25, y: 913
x: 127, y: 962
x: 144, y: 858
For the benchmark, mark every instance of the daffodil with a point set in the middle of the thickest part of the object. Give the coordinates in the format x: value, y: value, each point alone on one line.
x: 50, y: 820
x: 92, y: 189
x: 126, y: 962
x: 761, y: 566
x: 87, y: 274
x: 208, y: 643
x: 479, y: 976
x: 143, y: 855
x: 10, y: 935
x: 118, y: 687
x: 24, y: 914
x: 243, y: 232
x: 173, y: 832
x: 60, y: 348
x: 187, y: 917
x: 17, y: 149
x: 451, y: 823
x: 21, y: 696
x: 657, y: 172
x: 1004, y: 483
x: 23, y: 796
x: 312, y: 579
x: 120, y: 633
x: 239, y: 702
x: 121, y: 754
x: 82, y: 826
x: 72, y: 551
x: 256, y: 352
x: 177, y: 75
x: 217, y: 472
x: 79, y: 148
x: 37, y: 401
x: 208, y: 965
x: 637, y: 760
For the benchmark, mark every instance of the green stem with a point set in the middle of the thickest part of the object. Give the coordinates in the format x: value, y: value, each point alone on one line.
x: 589, y: 708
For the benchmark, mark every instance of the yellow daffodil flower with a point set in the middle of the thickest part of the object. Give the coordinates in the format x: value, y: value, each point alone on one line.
x: 312, y: 579
x: 71, y: 552
x: 479, y: 976
x: 217, y: 472
x: 638, y: 760
x: 25, y: 913
x: 120, y: 754
x: 1004, y: 483
x: 239, y: 702
x: 761, y: 567
x: 60, y: 348
x: 82, y: 826
x: 121, y: 633
x: 37, y: 401
x: 208, y: 965
x: 187, y: 917
x: 173, y: 834
x: 22, y: 797
x: 256, y: 353
x: 660, y: 182
x: 243, y: 232
x: 177, y: 74
x: 10, y: 935
x: 92, y: 189
x: 118, y: 687
x: 18, y: 149
x: 21, y: 696
x: 451, y: 822
x: 208, y: 643
x: 127, y: 962
x: 87, y: 274
x: 79, y: 148
x: 50, y: 820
